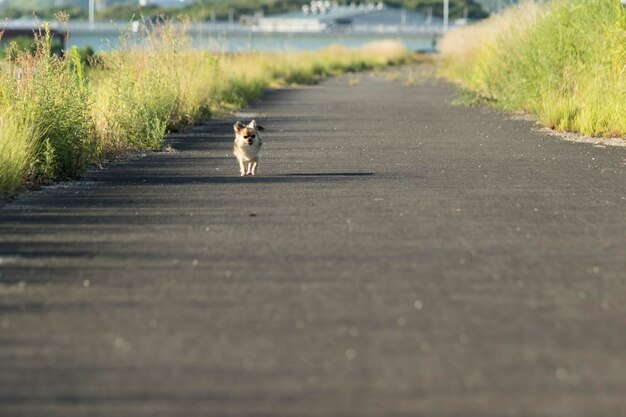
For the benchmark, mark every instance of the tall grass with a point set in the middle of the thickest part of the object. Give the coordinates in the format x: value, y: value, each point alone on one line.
x: 46, y: 130
x: 563, y: 61
x: 56, y: 117
x: 136, y: 92
x: 17, y: 153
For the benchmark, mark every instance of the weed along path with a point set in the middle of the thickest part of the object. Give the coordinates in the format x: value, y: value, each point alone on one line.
x: 395, y: 256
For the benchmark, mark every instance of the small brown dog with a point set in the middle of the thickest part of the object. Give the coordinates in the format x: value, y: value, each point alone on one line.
x: 247, y: 147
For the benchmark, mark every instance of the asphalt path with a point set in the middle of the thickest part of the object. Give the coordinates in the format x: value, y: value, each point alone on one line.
x: 396, y: 255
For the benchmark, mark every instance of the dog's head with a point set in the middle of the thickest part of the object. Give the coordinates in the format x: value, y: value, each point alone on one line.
x: 247, y: 134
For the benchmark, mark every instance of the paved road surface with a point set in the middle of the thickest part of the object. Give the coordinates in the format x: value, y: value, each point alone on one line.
x: 397, y: 256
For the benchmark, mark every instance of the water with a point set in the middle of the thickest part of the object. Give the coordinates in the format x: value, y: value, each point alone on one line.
x: 242, y: 41
x: 224, y: 37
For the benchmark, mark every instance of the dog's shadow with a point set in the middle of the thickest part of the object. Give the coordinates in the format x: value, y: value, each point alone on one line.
x: 290, y: 178
x: 309, y: 177
x: 329, y: 174
x: 140, y: 179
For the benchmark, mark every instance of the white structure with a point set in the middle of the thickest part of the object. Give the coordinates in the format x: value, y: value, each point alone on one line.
x: 318, y: 16
x: 325, y: 15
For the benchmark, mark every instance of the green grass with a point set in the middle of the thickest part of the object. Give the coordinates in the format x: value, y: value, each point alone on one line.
x: 58, y: 116
x: 564, y: 62
x: 17, y: 153
x: 43, y: 102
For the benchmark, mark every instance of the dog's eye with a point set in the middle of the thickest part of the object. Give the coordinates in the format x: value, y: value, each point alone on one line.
x: 253, y: 136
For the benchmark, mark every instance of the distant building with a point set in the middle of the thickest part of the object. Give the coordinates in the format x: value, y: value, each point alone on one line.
x: 324, y: 15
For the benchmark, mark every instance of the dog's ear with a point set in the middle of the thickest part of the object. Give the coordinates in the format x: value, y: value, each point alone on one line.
x: 238, y: 126
x: 254, y: 126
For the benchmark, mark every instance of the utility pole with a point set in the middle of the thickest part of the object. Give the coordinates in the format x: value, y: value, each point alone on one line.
x: 92, y: 14
x: 446, y: 9
x: 231, y: 18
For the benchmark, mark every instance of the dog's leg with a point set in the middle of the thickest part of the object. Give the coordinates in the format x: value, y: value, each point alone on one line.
x: 253, y: 165
x: 242, y: 167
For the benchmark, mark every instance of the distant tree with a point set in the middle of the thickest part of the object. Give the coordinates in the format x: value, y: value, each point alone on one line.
x: 73, y: 12
x: 127, y: 11
x: 13, y: 12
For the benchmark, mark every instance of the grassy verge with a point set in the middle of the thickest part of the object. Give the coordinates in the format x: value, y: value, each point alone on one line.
x: 564, y: 62
x: 57, y: 117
